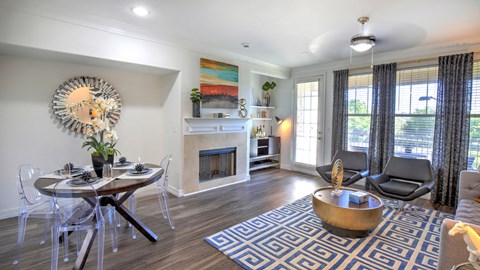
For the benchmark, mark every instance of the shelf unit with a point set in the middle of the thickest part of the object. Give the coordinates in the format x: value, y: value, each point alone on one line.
x: 264, y: 153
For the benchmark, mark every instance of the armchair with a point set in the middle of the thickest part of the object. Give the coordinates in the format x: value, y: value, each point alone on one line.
x: 404, y: 179
x: 354, y: 165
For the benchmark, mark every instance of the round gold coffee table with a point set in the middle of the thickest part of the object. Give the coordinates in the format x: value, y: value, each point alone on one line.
x: 344, y: 218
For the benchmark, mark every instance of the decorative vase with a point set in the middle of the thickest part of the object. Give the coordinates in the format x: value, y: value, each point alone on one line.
x: 98, y: 161
x: 196, y: 110
x: 266, y: 98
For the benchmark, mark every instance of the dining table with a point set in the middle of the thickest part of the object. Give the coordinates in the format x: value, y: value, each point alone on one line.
x: 107, y: 194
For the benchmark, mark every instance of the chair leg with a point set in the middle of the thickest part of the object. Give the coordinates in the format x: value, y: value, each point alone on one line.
x: 166, y: 212
x: 46, y: 231
x: 100, y: 241
x: 113, y: 230
x: 408, y: 211
x: 131, y: 201
x: 162, y: 205
x: 22, y: 221
x: 65, y: 245
x: 55, y: 244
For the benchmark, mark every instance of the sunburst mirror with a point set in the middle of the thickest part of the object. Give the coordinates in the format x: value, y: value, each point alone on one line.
x: 78, y: 90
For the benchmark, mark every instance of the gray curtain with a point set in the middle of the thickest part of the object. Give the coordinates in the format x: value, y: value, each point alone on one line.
x: 340, y: 110
x: 452, y: 125
x: 382, y: 121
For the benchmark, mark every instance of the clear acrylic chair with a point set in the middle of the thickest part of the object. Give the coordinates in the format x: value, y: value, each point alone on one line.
x: 162, y: 194
x: 74, y: 214
x: 32, y: 204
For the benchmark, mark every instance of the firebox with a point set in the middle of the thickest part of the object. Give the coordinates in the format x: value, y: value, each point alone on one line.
x: 217, y: 163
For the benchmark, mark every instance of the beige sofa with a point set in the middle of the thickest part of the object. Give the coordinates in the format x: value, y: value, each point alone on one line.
x: 453, y: 249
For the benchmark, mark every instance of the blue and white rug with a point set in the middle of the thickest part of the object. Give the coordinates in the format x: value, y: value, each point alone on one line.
x: 292, y: 237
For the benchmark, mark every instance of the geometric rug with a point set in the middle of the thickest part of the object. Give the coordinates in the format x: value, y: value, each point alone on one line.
x: 292, y: 237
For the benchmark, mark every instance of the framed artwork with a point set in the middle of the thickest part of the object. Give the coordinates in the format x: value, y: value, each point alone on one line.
x: 218, y: 84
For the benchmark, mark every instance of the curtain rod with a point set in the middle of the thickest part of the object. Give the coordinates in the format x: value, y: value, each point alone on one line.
x: 407, y: 62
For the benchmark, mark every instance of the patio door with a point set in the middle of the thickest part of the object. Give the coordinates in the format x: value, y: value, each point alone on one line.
x: 308, y: 137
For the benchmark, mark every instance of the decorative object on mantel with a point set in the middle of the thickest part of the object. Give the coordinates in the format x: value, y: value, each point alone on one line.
x: 82, y: 90
x: 196, y: 97
x: 243, y: 111
x: 266, y: 96
x: 221, y: 115
x: 218, y: 84
x: 337, y: 177
x: 104, y: 146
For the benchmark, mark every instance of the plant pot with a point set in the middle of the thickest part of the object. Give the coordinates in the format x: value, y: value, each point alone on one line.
x: 98, y: 161
x: 196, y: 110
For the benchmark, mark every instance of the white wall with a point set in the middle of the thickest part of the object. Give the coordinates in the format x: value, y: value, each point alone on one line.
x: 86, y: 50
x: 31, y: 134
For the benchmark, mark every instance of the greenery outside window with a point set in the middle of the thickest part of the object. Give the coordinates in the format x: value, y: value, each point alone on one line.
x: 415, y: 105
x: 359, y: 111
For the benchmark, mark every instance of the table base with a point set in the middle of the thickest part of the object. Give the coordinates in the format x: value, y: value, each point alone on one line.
x: 345, y: 232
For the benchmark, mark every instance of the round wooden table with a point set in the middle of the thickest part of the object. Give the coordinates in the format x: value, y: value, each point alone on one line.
x: 108, y: 192
x: 344, y: 218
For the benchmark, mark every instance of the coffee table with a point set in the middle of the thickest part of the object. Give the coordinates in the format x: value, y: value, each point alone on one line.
x: 344, y: 218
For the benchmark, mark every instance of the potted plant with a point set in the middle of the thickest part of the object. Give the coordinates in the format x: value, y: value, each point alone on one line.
x: 104, y: 145
x: 266, y: 87
x: 196, y: 97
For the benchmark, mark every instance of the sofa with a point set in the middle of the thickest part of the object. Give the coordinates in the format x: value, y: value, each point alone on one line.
x: 453, y: 249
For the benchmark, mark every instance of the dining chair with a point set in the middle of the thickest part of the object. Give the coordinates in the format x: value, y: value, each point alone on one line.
x: 32, y: 204
x: 73, y: 214
x: 162, y: 193
x: 162, y: 186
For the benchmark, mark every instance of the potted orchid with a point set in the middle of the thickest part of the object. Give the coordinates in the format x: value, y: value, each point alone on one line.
x: 100, y: 135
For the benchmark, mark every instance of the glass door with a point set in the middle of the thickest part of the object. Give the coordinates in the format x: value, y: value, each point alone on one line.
x: 308, y: 130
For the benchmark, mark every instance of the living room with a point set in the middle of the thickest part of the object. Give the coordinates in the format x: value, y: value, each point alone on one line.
x: 155, y: 61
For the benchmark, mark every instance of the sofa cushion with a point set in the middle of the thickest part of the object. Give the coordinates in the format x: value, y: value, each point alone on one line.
x: 468, y: 211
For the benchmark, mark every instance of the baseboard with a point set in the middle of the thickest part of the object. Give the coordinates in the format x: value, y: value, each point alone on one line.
x: 175, y: 191
x: 286, y: 166
x: 8, y: 213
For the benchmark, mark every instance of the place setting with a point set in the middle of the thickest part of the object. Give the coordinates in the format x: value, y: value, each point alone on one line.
x: 139, y: 171
x: 78, y: 178
x: 68, y: 170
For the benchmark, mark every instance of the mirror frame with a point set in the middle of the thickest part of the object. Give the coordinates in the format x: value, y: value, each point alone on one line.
x: 98, y: 87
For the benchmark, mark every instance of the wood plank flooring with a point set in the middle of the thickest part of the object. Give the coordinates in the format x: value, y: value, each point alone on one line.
x: 195, y: 217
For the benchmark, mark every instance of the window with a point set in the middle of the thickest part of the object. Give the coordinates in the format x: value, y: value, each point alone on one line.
x: 359, y: 111
x: 415, y: 104
x: 474, y: 142
x: 306, y: 125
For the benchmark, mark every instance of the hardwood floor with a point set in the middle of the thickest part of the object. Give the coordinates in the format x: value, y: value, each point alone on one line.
x: 195, y: 217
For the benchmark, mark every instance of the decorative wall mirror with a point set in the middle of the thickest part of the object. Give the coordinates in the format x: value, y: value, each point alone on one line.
x: 72, y: 98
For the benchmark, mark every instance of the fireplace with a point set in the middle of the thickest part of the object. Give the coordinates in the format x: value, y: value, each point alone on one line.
x: 217, y: 163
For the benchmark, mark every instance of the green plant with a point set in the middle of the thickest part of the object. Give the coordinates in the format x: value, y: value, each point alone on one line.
x: 196, y: 96
x: 269, y: 85
x: 101, y: 148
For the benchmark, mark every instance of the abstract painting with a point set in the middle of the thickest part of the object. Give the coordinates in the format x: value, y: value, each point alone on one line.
x: 218, y: 84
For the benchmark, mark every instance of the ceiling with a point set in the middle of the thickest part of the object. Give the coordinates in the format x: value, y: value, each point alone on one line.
x: 281, y: 32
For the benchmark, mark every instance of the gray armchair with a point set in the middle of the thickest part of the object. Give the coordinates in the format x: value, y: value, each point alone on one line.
x: 404, y: 179
x: 354, y: 166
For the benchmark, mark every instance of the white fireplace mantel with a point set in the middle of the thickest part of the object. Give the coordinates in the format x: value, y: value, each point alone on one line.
x: 208, y: 125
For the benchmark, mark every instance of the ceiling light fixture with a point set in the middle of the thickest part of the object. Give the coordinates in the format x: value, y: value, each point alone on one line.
x: 140, y: 11
x: 362, y: 42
